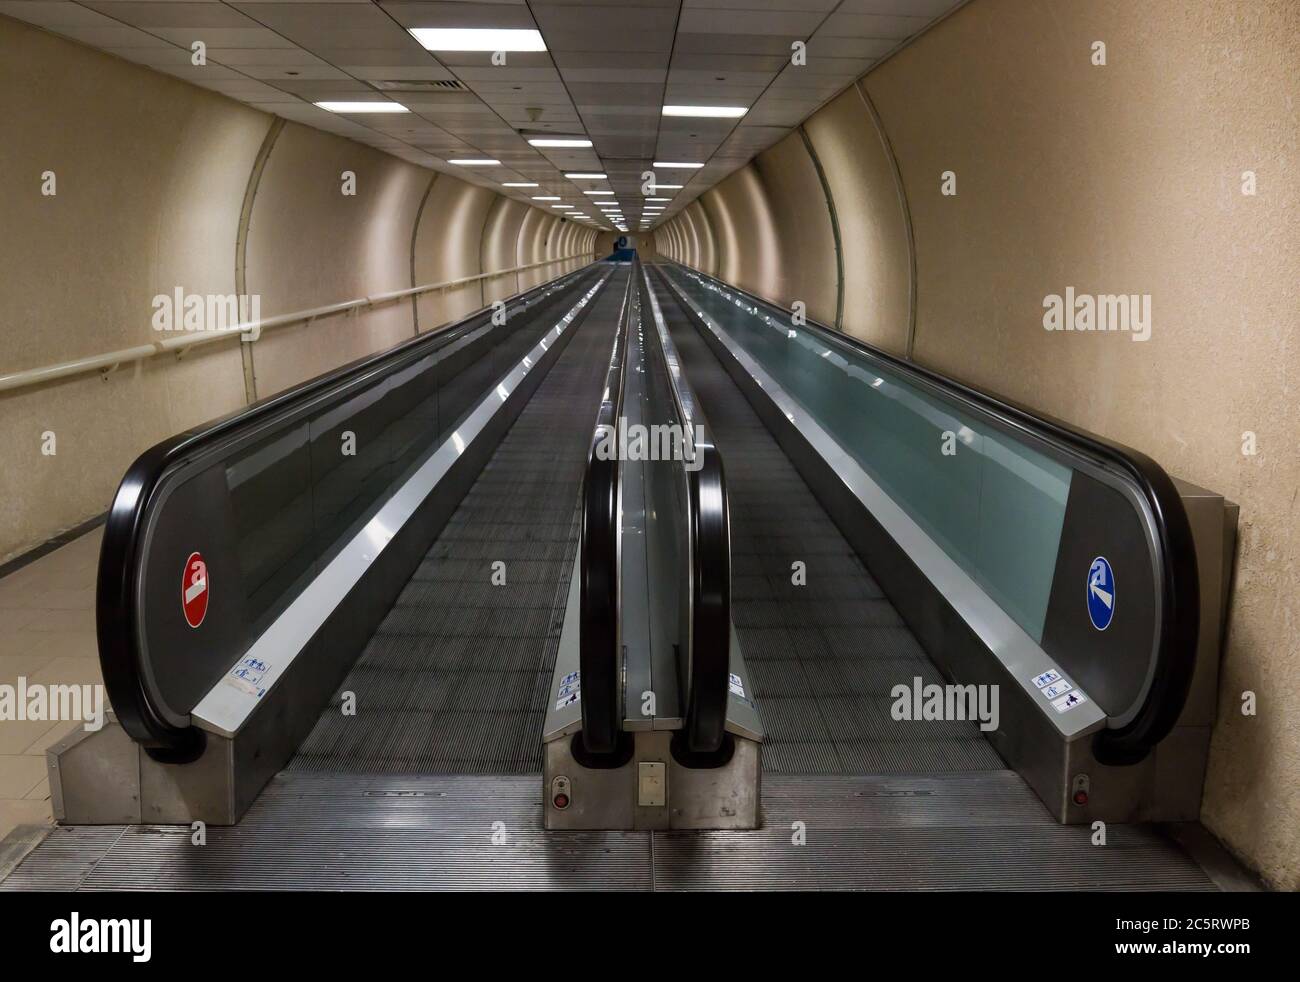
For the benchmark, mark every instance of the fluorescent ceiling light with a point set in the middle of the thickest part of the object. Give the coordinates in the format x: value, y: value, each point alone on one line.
x: 525, y: 184
x: 478, y: 39
x: 561, y: 206
x: 654, y: 199
x: 671, y: 187
x: 712, y: 112
x: 676, y: 165
x: 594, y: 193
x: 476, y: 162
x: 559, y: 142
x: 378, y: 106
x: 546, y: 197
x: 585, y: 177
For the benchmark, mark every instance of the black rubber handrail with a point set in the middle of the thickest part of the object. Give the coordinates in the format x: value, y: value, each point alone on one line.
x: 168, y: 734
x: 709, y: 662
x: 708, y: 559
x: 1175, y: 656
x: 599, y: 563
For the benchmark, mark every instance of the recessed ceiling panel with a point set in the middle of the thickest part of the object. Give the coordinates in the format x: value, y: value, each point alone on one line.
x: 609, y: 68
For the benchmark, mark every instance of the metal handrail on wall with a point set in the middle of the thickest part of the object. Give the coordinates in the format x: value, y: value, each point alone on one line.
x: 250, y: 332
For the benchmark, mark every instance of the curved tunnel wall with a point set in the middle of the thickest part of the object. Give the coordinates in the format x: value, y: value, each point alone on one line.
x: 1064, y: 179
x: 150, y: 187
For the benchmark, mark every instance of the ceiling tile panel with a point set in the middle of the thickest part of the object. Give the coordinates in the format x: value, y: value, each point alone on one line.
x: 609, y: 67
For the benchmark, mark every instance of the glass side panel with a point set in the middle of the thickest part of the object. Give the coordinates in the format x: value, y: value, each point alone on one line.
x: 270, y: 497
x: 994, y: 505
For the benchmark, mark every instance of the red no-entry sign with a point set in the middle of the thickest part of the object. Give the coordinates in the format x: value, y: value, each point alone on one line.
x: 194, y: 590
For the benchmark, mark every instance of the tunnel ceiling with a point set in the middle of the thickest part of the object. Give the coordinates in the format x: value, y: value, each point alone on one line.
x: 608, y: 69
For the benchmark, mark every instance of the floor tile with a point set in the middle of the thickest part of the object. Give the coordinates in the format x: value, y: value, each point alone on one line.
x: 16, y: 813
x: 53, y: 735
x: 20, y: 774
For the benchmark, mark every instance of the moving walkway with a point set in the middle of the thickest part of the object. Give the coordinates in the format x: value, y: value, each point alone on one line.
x: 827, y: 551
x: 959, y: 539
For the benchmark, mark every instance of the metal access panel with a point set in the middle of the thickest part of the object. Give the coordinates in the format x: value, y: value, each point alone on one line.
x: 652, y: 791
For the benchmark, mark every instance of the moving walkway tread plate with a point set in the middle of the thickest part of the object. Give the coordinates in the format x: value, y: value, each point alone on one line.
x: 980, y: 830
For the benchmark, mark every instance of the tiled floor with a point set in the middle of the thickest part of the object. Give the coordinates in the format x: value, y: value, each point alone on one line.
x: 47, y: 635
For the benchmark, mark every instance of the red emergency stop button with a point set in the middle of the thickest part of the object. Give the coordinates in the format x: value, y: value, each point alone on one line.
x: 561, y: 801
x: 1081, y: 797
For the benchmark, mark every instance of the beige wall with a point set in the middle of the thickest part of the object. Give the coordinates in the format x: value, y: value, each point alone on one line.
x: 1123, y: 178
x: 1127, y: 178
x: 151, y: 179
x: 873, y: 233
x: 807, y: 268
x: 309, y: 244
x: 151, y: 209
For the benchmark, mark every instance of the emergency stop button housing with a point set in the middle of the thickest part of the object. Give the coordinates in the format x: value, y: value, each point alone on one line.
x: 561, y: 792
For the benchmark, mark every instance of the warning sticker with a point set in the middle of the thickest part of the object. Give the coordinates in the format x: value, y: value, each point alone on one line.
x: 1047, y: 678
x: 736, y: 684
x: 1069, y: 701
x: 194, y: 590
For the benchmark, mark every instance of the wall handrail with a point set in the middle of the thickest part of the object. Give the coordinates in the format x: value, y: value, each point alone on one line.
x: 248, y: 331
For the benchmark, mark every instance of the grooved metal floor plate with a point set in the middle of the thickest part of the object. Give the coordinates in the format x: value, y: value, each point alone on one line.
x: 454, y: 680
x: 823, y: 656
x: 981, y: 830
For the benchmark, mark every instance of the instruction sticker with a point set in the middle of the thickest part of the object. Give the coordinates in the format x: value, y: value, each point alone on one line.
x: 568, y: 700
x: 1047, y: 678
x: 568, y: 692
x: 735, y: 683
x: 247, y: 676
x: 1057, y: 689
x: 1069, y: 701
